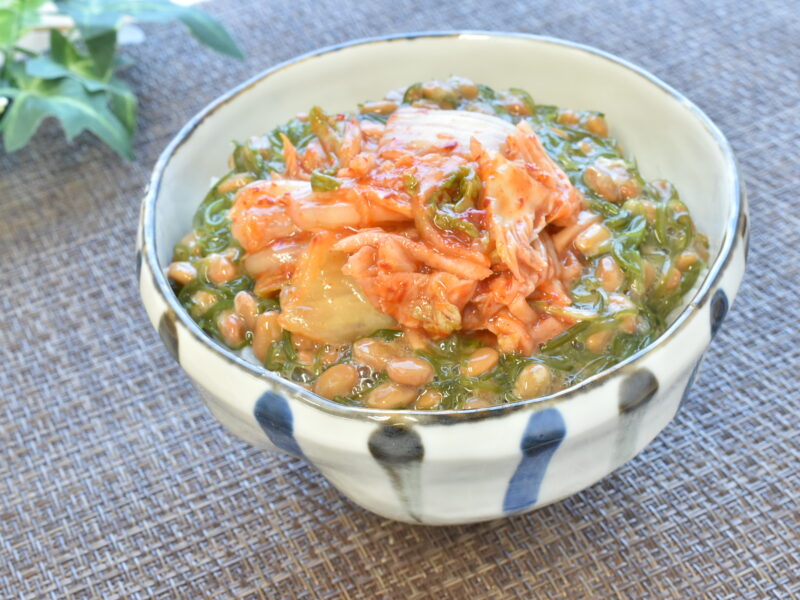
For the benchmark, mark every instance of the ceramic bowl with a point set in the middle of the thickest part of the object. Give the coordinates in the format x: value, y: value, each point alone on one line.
x: 457, y: 466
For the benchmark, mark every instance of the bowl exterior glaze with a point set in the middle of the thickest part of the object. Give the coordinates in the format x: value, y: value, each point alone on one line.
x: 456, y: 466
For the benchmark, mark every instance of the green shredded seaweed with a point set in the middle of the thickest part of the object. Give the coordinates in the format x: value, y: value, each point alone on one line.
x: 450, y: 202
x: 322, y: 182
x: 648, y: 234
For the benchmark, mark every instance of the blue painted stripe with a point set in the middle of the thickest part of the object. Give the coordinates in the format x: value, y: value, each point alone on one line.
x: 400, y: 452
x: 273, y: 413
x: 542, y: 436
x: 719, y: 308
x: 169, y: 333
x: 690, y: 382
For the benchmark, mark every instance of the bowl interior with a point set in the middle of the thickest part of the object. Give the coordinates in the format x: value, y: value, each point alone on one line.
x: 669, y: 138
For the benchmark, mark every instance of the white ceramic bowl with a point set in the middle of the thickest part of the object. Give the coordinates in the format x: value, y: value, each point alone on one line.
x: 457, y: 466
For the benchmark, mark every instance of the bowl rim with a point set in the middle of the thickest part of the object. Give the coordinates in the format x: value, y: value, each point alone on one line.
x: 709, y: 283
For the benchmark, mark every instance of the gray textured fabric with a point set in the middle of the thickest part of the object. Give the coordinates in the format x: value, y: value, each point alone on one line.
x: 116, y: 482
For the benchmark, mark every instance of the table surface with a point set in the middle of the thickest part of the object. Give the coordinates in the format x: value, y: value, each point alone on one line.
x: 116, y: 482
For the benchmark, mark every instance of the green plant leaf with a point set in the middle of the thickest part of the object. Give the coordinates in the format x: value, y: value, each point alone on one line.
x: 75, y: 81
x: 123, y: 103
x: 64, y: 52
x: 21, y: 120
x: 102, y: 49
x: 208, y: 31
x: 44, y: 68
x: 64, y: 60
x: 92, y: 17
x: 17, y: 17
x: 95, y: 16
x: 121, y: 62
x: 68, y: 101
x: 8, y: 27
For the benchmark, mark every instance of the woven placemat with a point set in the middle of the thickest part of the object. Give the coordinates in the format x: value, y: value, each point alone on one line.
x: 115, y: 482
